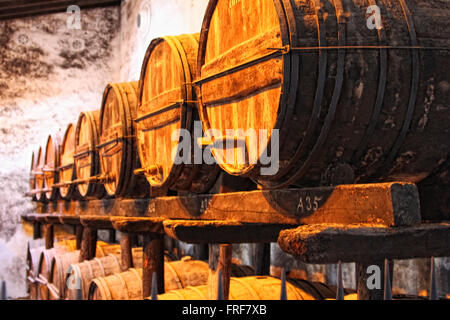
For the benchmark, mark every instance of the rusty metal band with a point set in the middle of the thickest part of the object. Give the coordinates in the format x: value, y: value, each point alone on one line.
x: 317, y: 105
x: 68, y: 166
x: 331, y: 111
x: 119, y: 139
x: 414, y: 89
x: 382, y: 80
x: 287, y: 49
x: 170, y: 107
x: 237, y: 68
x: 83, y: 154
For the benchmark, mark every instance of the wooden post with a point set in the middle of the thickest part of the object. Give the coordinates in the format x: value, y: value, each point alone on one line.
x: 220, y: 261
x: 126, y: 251
x: 262, y: 259
x: 79, y: 235
x: 153, y: 263
x: 36, y: 230
x: 48, y: 235
x: 364, y: 293
x: 88, y: 244
x: 112, y: 236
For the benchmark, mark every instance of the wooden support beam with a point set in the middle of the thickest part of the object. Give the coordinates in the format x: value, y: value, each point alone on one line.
x: 153, y: 262
x: 389, y: 204
x: 52, y: 218
x: 192, y: 231
x: 69, y: 219
x: 88, y: 244
x: 262, y: 259
x: 220, y: 260
x: 137, y: 225
x: 79, y: 235
x: 36, y: 230
x: 96, y: 222
x: 126, y: 251
x: 49, y: 236
x: 365, y: 243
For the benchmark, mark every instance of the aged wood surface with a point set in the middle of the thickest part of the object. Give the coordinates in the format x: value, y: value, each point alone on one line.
x: 262, y: 259
x: 153, y: 263
x: 88, y: 244
x: 137, y: 225
x: 96, y: 222
x: 388, y: 204
x: 219, y: 259
x: 49, y: 236
x: 192, y: 231
x: 126, y: 252
x: 365, y: 243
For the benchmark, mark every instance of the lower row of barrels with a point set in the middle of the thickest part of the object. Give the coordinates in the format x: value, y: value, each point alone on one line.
x: 58, y: 274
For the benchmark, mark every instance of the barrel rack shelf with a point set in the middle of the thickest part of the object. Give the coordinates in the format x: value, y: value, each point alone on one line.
x: 351, y: 223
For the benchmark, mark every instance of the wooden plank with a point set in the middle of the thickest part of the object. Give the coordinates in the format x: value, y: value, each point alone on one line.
x: 192, y: 231
x: 137, y: 225
x: 365, y: 243
x: 389, y: 204
x: 96, y: 222
x: 52, y: 218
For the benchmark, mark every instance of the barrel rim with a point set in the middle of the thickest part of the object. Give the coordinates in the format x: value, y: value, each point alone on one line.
x: 124, y: 181
x: 185, y: 108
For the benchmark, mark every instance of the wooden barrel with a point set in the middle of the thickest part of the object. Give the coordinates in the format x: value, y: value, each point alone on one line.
x: 33, y: 254
x: 248, y: 288
x: 117, y: 146
x: 51, y: 165
x: 60, y: 265
x: 67, y: 175
x: 39, y: 174
x: 167, y: 106
x: 370, y: 107
x: 32, y: 180
x: 178, y: 275
x: 87, y: 165
x: 81, y: 274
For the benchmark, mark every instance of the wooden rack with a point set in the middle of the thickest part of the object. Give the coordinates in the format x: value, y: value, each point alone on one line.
x: 352, y: 223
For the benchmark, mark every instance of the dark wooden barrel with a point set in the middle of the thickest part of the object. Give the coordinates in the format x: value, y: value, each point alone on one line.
x: 51, y: 165
x: 87, y: 165
x: 39, y: 174
x: 117, y: 145
x: 167, y: 105
x: 67, y: 175
x: 60, y: 267
x: 32, y: 180
x: 374, y: 111
x: 81, y: 274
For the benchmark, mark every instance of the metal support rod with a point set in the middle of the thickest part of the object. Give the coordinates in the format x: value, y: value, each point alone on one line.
x: 283, y: 291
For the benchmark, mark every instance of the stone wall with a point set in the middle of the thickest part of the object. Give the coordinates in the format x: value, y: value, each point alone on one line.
x: 48, y: 75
